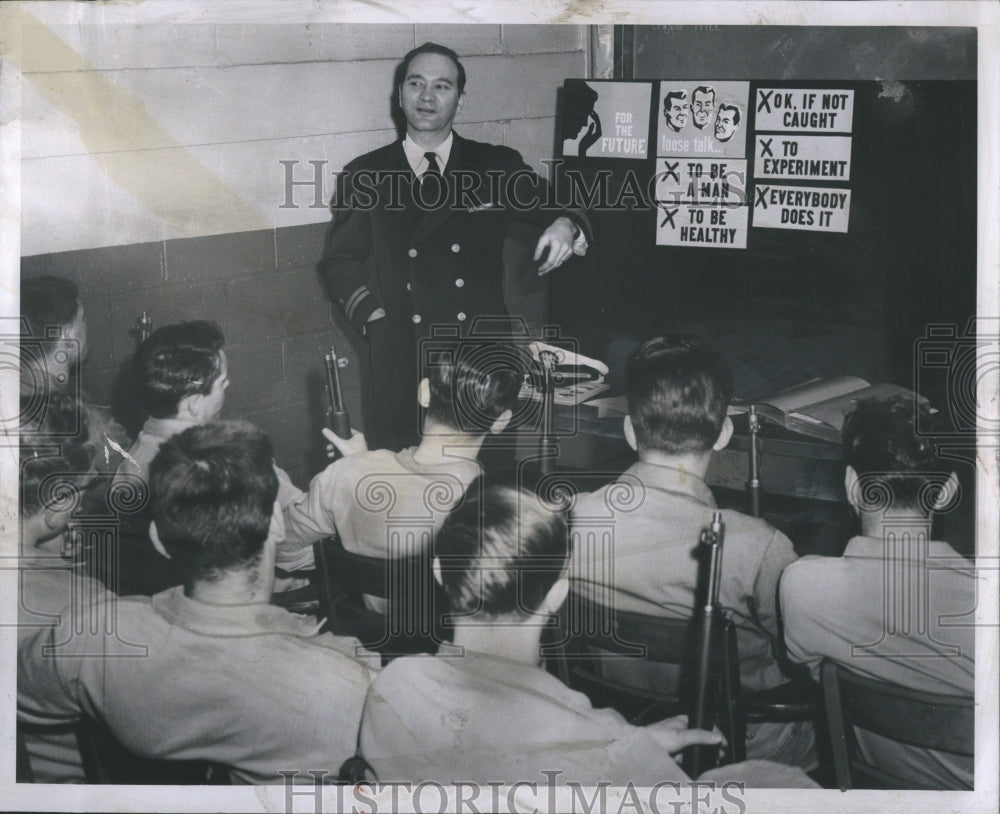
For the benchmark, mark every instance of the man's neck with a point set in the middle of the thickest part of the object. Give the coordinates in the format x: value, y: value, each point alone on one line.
x: 879, y: 524
x: 695, y: 463
x: 249, y: 587
x: 439, y: 444
x: 515, y: 641
x: 428, y: 139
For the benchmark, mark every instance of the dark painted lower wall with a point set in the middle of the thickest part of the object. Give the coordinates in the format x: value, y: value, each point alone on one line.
x: 262, y: 289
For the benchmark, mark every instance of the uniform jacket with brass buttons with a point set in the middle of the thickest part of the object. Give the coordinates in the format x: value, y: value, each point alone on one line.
x: 433, y: 265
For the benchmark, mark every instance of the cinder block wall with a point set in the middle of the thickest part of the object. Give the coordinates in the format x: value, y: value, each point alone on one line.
x: 152, y: 178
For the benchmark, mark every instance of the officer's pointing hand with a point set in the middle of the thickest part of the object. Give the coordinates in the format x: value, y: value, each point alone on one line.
x: 558, y: 238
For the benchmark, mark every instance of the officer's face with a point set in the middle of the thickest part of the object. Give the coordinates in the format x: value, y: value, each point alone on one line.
x: 429, y: 94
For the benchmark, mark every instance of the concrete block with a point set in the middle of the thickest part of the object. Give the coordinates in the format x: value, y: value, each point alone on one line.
x: 305, y: 372
x: 255, y: 377
x: 465, y: 40
x: 536, y: 39
x: 299, y: 246
x: 136, y: 265
x: 192, y: 106
x: 219, y: 257
x: 252, y: 172
x: 165, y: 304
x: 257, y: 44
x: 261, y: 307
x: 296, y: 438
x: 113, y: 47
x: 501, y: 88
x: 533, y: 138
x: 91, y: 210
x: 47, y: 130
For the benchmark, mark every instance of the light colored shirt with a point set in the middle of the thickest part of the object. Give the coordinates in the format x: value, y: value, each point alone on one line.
x: 633, y: 549
x: 896, y: 611
x: 381, y: 504
x: 52, y: 592
x: 479, y: 718
x: 416, y: 156
x: 252, y: 687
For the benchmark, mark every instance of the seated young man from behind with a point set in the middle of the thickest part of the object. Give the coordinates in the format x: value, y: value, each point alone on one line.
x: 181, y: 374
x: 388, y: 504
x: 883, y: 608
x: 209, y: 670
x: 56, y: 465
x: 635, y: 538
x: 485, y: 711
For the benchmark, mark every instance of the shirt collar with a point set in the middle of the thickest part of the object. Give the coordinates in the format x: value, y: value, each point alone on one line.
x: 164, y: 428
x: 874, y: 548
x: 415, y: 154
x: 671, y: 479
x: 208, y: 619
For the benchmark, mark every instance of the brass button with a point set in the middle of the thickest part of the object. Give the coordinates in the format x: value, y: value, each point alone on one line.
x: 461, y: 316
x: 409, y: 287
x: 459, y: 282
x: 455, y: 248
x: 416, y: 319
x: 412, y: 252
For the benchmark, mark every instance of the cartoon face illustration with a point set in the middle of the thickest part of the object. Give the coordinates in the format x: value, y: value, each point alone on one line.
x: 727, y: 122
x: 702, y: 105
x: 675, y: 109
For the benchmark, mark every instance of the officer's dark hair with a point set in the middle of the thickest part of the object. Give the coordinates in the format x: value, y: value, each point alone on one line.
x: 500, y: 552
x: 880, y: 440
x: 177, y: 361
x: 473, y: 383
x: 212, y: 490
x: 678, y: 390
x: 432, y: 48
x: 734, y: 108
x: 48, y: 302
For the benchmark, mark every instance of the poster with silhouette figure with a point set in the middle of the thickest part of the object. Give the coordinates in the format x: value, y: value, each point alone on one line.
x: 605, y: 119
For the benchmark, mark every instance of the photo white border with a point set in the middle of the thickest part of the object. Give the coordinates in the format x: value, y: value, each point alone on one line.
x: 985, y: 16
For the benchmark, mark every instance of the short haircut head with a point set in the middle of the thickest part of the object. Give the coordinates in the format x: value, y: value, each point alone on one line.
x: 880, y: 442
x: 212, y: 490
x: 432, y: 48
x: 48, y: 302
x: 500, y: 552
x: 678, y: 390
x: 704, y: 90
x: 177, y: 361
x: 734, y: 108
x: 473, y: 383
x: 679, y: 95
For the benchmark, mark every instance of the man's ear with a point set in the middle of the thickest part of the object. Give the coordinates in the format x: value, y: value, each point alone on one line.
x: 724, y: 434
x: 190, y: 406
x: 501, y: 422
x: 424, y: 393
x: 630, y: 433
x: 556, y: 596
x: 436, y: 568
x: 948, y: 493
x: 154, y: 535
x: 461, y: 103
x: 851, y: 487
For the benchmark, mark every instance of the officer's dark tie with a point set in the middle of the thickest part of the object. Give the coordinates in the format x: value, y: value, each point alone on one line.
x: 431, y: 182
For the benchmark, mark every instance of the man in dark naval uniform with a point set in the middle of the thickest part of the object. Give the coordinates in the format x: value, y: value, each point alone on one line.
x: 418, y: 232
